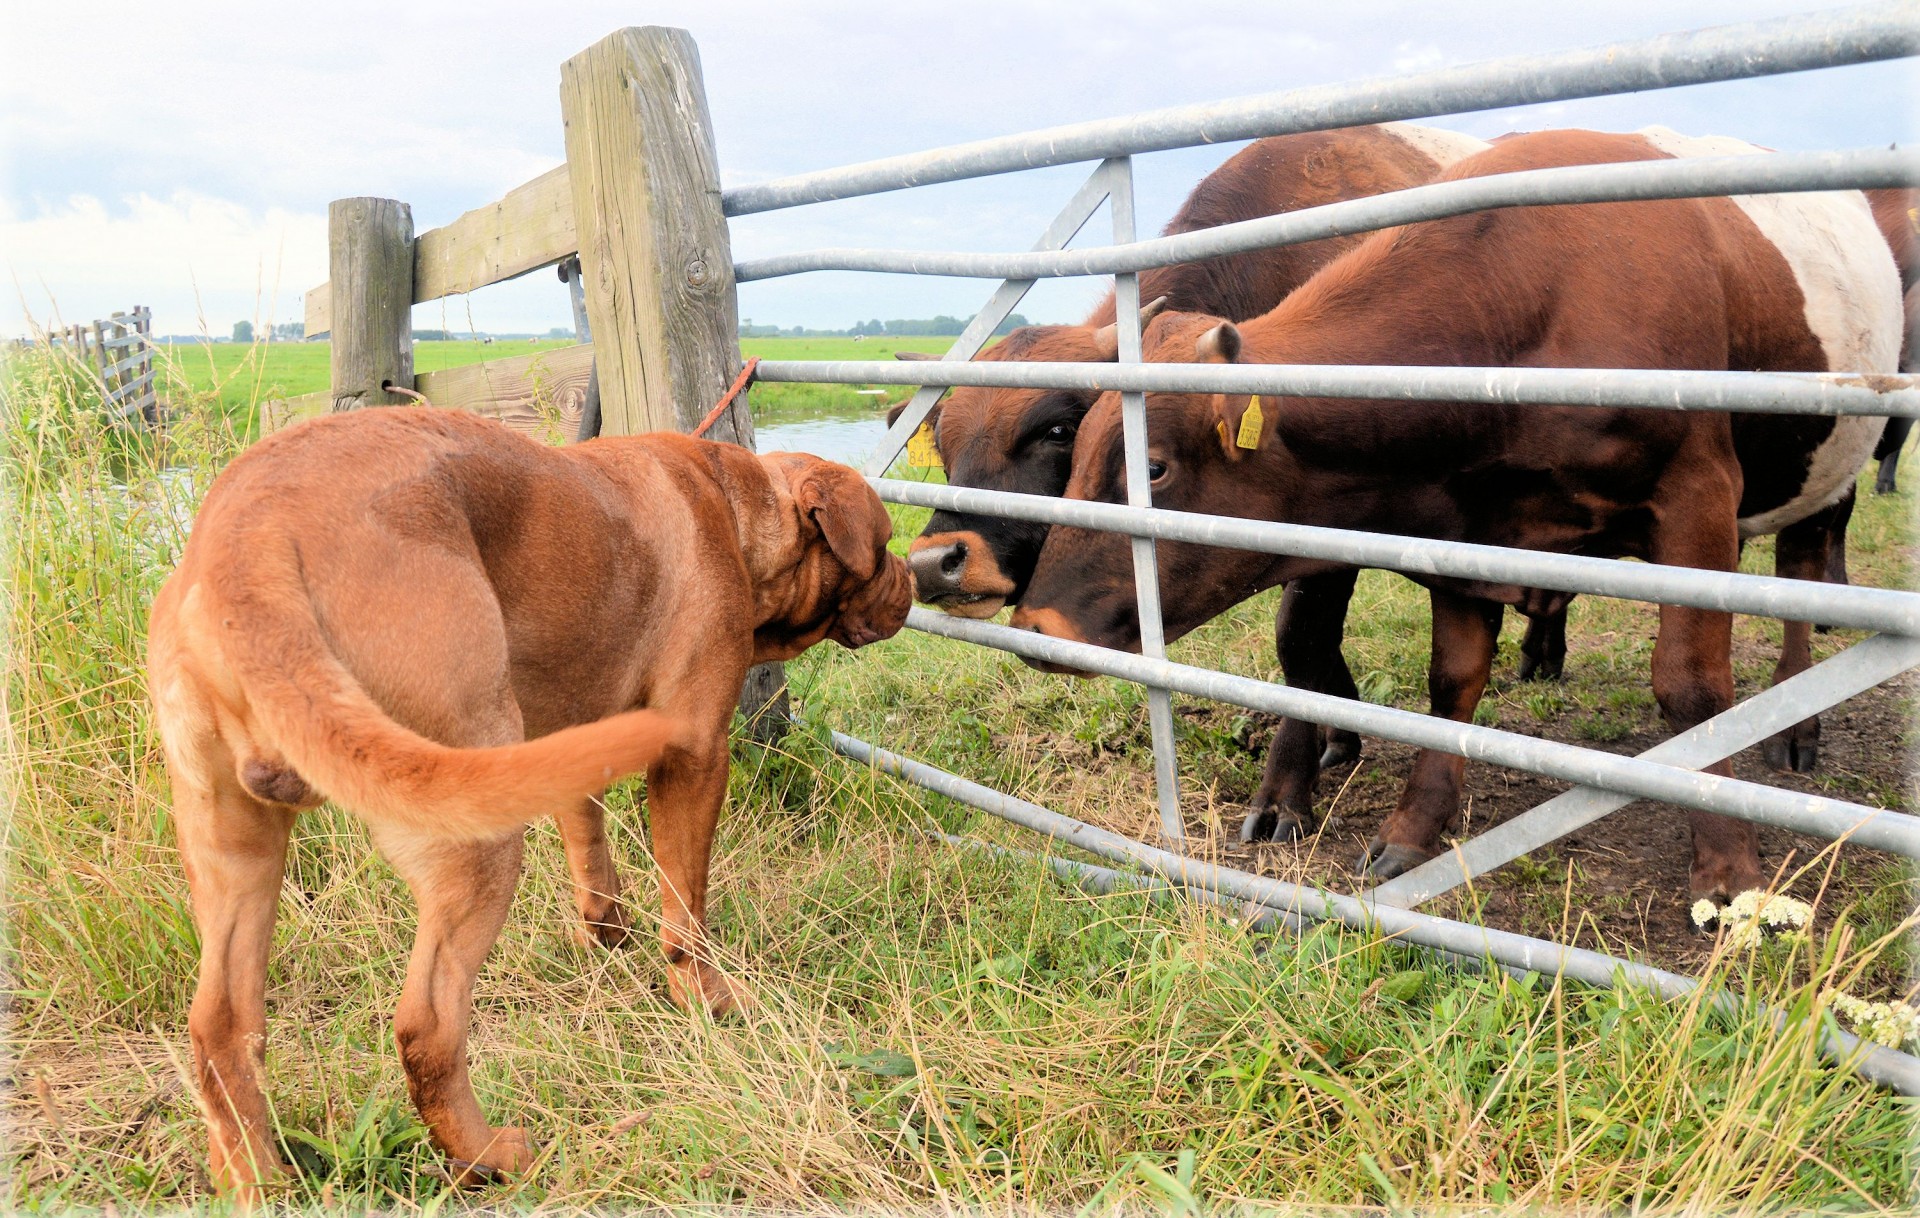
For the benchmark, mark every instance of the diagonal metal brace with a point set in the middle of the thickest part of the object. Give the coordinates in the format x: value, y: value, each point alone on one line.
x: 1853, y: 671
x: 1079, y: 209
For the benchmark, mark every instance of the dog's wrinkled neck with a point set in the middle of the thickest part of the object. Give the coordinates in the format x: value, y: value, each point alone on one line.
x: 767, y: 523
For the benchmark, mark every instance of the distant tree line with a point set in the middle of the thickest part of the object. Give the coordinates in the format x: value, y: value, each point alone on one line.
x: 941, y: 326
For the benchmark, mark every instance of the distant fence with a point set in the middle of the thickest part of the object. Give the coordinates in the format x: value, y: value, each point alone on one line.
x: 118, y: 350
x: 640, y: 201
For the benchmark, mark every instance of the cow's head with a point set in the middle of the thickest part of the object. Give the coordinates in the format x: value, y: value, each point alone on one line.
x: 1204, y: 455
x: 1017, y: 440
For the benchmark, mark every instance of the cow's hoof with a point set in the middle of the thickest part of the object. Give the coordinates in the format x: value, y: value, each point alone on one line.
x: 1886, y: 486
x: 1270, y: 824
x: 1790, y: 752
x: 1343, y: 748
x: 1383, y: 861
x: 1541, y: 668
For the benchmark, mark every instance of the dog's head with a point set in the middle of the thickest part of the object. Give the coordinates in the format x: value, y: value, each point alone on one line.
x: 844, y: 585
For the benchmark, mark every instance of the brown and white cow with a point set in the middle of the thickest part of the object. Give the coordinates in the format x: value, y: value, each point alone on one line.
x: 1770, y: 283
x: 1022, y: 439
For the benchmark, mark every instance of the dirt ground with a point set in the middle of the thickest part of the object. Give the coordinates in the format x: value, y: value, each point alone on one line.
x: 1620, y: 883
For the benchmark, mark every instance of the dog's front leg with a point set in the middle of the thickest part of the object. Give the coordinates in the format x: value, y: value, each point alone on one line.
x: 684, y: 795
x: 596, y: 882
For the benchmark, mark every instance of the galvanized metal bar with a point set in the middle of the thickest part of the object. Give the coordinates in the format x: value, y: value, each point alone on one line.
x: 1818, y: 815
x: 1146, y: 568
x: 1768, y: 173
x: 1853, y: 671
x: 1830, y: 393
x: 1065, y: 226
x: 1888, y: 1068
x: 1877, y: 609
x: 1798, y: 43
x: 1106, y: 879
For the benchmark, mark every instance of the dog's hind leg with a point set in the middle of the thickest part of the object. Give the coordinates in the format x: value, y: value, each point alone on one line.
x: 596, y: 882
x: 234, y: 848
x: 463, y: 890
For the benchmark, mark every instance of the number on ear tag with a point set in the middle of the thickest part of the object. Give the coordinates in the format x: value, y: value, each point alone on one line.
x: 922, y: 453
x: 1250, y: 422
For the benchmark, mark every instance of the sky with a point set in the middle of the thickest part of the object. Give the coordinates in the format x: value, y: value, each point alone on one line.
x: 186, y: 161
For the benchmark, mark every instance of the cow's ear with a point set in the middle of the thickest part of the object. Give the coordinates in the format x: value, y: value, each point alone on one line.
x: 1243, y: 423
x: 1220, y: 345
x: 893, y: 413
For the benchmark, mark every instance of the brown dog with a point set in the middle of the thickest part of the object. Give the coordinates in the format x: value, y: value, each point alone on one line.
x: 448, y: 629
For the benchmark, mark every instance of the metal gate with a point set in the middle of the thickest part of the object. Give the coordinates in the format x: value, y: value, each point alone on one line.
x: 1603, y: 781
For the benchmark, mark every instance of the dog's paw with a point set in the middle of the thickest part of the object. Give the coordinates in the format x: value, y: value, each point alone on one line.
x: 696, y: 987
x: 507, y: 1152
x: 606, y: 926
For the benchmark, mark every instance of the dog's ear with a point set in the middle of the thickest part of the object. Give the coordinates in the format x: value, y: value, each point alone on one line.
x: 848, y: 514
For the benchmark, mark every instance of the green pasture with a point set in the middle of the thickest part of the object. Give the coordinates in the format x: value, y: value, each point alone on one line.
x: 938, y: 1030
x: 240, y: 375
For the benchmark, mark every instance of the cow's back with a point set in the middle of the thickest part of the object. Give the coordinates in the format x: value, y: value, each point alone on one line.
x: 1813, y: 287
x: 1287, y: 173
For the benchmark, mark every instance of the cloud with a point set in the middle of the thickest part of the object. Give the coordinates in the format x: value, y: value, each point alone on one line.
x: 84, y: 258
x: 258, y: 115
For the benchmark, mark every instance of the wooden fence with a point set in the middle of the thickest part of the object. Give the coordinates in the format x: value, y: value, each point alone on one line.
x: 119, y: 351
x: 638, y: 201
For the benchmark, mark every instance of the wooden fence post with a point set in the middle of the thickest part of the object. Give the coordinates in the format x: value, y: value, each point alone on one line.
x: 655, y: 260
x: 370, y: 264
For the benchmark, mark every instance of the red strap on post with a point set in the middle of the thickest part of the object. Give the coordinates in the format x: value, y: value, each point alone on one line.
x: 739, y: 383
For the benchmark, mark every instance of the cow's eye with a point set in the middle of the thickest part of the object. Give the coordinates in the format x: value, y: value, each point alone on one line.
x: 1059, y: 433
x: 1156, y: 470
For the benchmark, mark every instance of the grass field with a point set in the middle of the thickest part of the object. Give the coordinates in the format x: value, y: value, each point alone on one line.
x: 938, y: 1030
x: 240, y: 375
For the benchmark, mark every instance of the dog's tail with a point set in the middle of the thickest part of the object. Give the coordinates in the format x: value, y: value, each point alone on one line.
x: 337, y: 739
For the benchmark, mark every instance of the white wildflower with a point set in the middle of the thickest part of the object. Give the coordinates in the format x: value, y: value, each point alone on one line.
x: 1753, y: 912
x: 1893, y: 1024
x: 1704, y: 911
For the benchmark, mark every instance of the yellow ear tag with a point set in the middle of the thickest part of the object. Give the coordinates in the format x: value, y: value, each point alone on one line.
x: 922, y: 453
x: 1250, y: 422
x: 1226, y: 437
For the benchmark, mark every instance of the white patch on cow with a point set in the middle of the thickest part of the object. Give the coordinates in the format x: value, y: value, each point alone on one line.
x: 1851, y: 287
x: 1443, y: 148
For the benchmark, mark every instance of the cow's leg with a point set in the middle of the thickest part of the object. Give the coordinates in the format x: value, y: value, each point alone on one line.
x: 1693, y: 681
x: 1835, y: 571
x: 463, y: 889
x: 1888, y: 450
x: 234, y: 848
x: 1466, y: 632
x: 1543, y: 652
x: 1307, y: 636
x: 1803, y: 550
x: 596, y: 882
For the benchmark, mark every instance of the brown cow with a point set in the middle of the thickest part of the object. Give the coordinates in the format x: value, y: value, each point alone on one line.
x: 1022, y: 439
x: 1769, y: 283
x: 452, y: 630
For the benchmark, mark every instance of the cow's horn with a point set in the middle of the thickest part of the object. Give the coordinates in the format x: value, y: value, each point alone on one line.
x: 1107, y: 337
x: 914, y: 355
